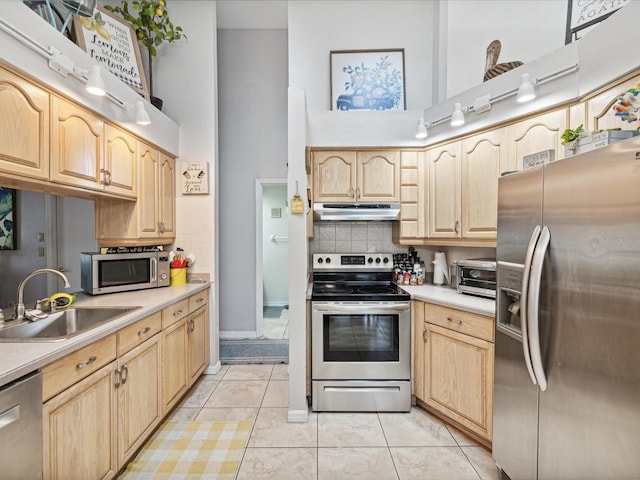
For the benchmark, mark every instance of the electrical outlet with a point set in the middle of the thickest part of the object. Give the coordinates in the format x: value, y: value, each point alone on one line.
x: 41, y: 251
x: 40, y: 237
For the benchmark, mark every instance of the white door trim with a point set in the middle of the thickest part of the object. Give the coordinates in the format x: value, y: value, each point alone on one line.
x: 260, y: 183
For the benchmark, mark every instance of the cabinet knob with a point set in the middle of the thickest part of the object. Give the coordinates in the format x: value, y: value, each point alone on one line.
x: 424, y: 334
x: 456, y: 225
x: 455, y: 320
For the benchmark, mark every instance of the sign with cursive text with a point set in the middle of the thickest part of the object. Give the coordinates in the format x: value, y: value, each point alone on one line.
x: 111, y: 42
x: 194, y: 178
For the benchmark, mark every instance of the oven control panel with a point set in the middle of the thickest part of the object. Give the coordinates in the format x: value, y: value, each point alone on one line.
x: 359, y: 261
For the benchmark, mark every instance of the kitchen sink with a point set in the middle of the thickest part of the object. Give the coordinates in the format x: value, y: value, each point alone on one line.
x: 62, y: 324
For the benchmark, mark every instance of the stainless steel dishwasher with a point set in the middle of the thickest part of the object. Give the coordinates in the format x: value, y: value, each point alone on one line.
x: 21, y: 428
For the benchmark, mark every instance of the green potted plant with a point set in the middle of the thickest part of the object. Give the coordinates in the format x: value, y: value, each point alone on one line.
x: 150, y: 20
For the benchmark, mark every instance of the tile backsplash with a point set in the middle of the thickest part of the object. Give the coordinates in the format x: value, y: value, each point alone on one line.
x: 372, y: 237
x: 353, y: 237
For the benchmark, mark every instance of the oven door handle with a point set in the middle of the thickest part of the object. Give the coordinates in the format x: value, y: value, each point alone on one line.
x: 362, y: 308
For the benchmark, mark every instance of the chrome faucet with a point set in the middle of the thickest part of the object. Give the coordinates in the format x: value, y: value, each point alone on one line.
x: 20, y: 311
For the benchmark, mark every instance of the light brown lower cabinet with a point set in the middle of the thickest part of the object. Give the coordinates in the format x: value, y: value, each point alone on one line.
x: 453, y: 370
x: 174, y: 364
x: 198, y: 343
x: 139, y: 397
x: 80, y: 429
x: 185, y: 346
x: 102, y: 402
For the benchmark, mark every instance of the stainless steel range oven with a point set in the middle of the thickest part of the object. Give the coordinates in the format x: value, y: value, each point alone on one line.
x: 361, y: 335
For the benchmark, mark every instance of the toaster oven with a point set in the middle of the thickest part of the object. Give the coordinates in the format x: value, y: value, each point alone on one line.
x: 477, y: 277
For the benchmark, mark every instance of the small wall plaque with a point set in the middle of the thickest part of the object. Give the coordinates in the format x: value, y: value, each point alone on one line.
x: 539, y: 158
x: 194, y: 178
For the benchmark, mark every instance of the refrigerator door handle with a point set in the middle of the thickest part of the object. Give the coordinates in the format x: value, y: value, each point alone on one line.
x: 533, y: 307
x: 524, y: 300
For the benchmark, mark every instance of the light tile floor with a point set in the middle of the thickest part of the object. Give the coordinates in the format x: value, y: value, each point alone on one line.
x: 335, y: 446
x: 275, y: 322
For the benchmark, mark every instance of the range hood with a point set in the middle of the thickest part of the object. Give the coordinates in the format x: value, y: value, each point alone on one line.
x: 356, y: 211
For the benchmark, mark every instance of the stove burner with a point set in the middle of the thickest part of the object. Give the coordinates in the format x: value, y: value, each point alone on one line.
x: 376, y: 289
x: 332, y: 288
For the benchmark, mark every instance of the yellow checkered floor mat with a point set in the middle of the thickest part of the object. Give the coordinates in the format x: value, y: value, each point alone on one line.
x: 191, y: 450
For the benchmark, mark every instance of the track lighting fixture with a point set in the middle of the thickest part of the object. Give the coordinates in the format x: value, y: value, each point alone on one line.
x: 526, y: 92
x: 457, y: 117
x: 95, y: 83
x: 421, y: 129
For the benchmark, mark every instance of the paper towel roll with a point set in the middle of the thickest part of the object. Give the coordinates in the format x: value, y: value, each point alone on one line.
x: 440, y: 269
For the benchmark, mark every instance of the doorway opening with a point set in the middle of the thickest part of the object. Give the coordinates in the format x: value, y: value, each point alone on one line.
x: 272, y: 259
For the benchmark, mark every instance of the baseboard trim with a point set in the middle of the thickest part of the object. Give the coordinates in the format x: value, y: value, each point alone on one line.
x: 213, y: 369
x: 239, y: 335
x: 298, y: 416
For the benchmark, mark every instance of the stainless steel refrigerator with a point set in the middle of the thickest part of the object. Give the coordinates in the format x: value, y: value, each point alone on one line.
x: 567, y: 349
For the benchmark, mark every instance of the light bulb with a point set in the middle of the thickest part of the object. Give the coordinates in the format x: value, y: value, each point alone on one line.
x: 457, y: 117
x: 421, y: 129
x: 526, y: 92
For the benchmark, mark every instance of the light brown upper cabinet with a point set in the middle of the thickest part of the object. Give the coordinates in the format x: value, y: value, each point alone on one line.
x: 157, y: 193
x: 120, y: 162
x: 599, y: 111
x: 150, y: 220
x: 537, y: 134
x: 484, y: 158
x: 90, y: 153
x: 77, y: 141
x: 413, y: 207
x: 356, y: 176
x: 444, y: 190
x: 24, y: 127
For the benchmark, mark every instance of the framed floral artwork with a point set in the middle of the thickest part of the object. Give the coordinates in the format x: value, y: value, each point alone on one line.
x: 367, y: 79
x: 7, y: 219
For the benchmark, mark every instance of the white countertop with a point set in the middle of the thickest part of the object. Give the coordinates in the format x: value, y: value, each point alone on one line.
x: 448, y: 297
x: 19, y: 358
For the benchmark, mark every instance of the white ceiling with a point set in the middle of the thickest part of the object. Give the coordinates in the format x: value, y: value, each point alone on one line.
x: 251, y: 14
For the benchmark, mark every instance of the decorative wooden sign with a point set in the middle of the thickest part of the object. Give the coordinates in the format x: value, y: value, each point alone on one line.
x: 194, y: 178
x: 539, y: 158
x: 112, y: 43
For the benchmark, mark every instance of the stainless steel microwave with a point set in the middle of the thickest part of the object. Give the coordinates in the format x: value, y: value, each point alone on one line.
x: 123, y: 272
x: 477, y: 277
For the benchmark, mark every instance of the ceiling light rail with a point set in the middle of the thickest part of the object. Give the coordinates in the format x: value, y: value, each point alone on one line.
x: 62, y: 64
x: 483, y: 104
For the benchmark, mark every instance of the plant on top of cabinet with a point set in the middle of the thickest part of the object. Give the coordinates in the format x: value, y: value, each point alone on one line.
x: 150, y: 20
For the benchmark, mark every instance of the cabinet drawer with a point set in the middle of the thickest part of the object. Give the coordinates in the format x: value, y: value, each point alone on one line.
x: 72, y: 368
x: 198, y: 300
x: 468, y: 323
x: 175, y: 312
x: 138, y: 332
